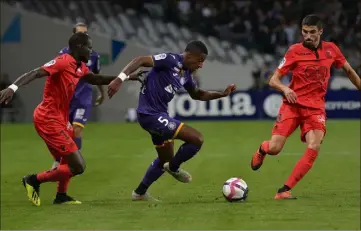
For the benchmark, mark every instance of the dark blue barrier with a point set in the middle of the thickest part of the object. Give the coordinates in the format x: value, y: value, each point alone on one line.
x: 258, y: 105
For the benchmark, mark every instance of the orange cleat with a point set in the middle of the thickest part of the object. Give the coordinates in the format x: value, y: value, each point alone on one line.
x: 286, y: 195
x: 257, y: 160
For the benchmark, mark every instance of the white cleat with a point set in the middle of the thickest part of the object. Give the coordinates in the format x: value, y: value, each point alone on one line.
x: 144, y: 197
x: 180, y: 175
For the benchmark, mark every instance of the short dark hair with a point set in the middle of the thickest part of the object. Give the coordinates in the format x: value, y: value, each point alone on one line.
x: 79, y: 24
x: 312, y: 20
x: 197, y: 46
x: 78, y: 39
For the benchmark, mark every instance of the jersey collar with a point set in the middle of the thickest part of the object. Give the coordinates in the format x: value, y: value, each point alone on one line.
x: 181, y: 62
x: 311, y: 48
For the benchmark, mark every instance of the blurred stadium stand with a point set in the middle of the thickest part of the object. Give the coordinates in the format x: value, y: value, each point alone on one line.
x: 252, y: 34
x: 233, y: 30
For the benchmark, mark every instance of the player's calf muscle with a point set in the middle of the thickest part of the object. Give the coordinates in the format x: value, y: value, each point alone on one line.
x: 190, y: 135
x: 276, y: 144
x: 274, y: 148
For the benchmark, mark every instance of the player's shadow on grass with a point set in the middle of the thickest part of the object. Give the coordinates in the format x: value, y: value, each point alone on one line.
x: 217, y: 200
x: 164, y: 201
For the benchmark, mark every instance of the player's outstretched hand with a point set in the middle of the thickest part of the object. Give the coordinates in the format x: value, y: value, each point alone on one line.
x: 114, y: 87
x: 6, y: 95
x: 290, y: 95
x: 231, y: 88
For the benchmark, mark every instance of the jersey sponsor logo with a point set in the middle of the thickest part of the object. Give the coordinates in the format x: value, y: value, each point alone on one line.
x: 160, y: 56
x: 50, y: 63
x: 182, y: 80
x: 170, y: 89
x: 283, y: 61
x: 239, y: 104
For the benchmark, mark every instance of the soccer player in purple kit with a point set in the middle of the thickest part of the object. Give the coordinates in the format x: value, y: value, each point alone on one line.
x: 170, y: 72
x: 81, y: 102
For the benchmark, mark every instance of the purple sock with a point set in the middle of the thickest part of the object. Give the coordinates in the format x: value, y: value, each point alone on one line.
x: 78, y: 142
x: 155, y: 170
x: 185, y: 152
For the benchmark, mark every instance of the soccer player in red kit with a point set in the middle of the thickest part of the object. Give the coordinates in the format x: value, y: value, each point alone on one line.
x: 51, y: 118
x: 304, y: 99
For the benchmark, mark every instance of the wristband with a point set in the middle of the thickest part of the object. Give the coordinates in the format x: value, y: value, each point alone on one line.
x: 13, y: 87
x: 123, y: 76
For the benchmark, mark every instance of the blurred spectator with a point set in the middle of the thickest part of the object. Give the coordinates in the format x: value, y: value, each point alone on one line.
x: 268, y: 26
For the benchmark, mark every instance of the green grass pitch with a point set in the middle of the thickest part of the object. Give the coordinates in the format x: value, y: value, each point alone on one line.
x: 117, y: 156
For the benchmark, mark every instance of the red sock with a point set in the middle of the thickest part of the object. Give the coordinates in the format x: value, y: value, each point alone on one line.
x: 302, y: 167
x: 265, y: 147
x: 62, y: 172
x: 63, y: 185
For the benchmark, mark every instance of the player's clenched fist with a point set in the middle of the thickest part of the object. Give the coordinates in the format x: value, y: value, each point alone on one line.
x: 231, y: 88
x: 114, y: 87
x: 6, y: 95
x: 290, y: 95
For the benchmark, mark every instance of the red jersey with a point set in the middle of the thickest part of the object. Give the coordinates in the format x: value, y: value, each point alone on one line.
x: 59, y: 88
x: 311, y: 71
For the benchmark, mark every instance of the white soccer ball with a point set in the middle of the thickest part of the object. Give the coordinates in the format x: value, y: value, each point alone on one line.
x: 235, y: 189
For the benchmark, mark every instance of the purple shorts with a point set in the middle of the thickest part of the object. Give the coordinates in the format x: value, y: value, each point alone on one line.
x: 161, y: 127
x: 79, y: 114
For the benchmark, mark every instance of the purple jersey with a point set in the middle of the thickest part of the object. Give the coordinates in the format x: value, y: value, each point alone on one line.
x: 84, y: 91
x: 162, y: 82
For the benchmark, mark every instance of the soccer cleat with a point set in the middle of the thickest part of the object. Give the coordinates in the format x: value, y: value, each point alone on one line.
x: 32, y: 190
x: 286, y: 195
x: 180, y: 175
x: 144, y: 197
x: 65, y: 200
x: 257, y: 160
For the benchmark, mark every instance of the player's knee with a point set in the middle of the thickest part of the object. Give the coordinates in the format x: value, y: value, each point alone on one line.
x: 274, y: 148
x: 314, y: 146
x: 199, y: 140
x: 78, y: 131
x: 78, y: 169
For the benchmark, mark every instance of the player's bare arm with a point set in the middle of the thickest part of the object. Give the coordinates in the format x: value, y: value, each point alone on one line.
x: 100, y: 79
x: 352, y: 75
x: 275, y: 82
x: 7, y: 94
x: 202, y: 95
x: 135, y: 64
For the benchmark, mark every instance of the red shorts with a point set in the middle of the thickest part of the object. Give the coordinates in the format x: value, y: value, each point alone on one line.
x: 290, y: 117
x: 58, y: 137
